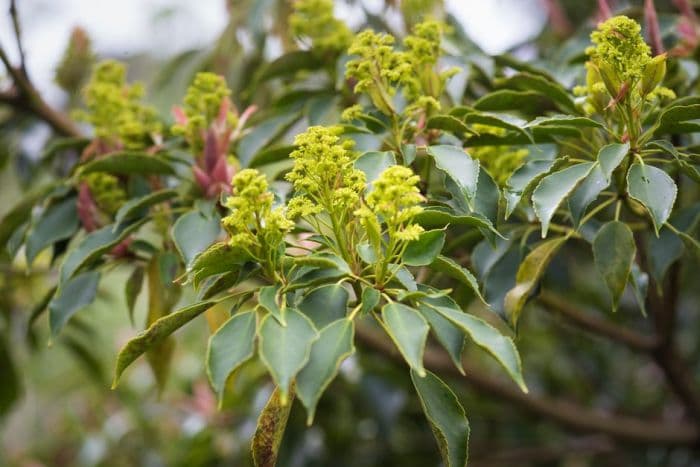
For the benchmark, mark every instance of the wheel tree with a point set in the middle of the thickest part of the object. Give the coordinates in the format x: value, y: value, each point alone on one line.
x: 364, y: 193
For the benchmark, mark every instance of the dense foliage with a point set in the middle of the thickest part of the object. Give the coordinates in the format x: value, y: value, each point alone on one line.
x: 365, y: 193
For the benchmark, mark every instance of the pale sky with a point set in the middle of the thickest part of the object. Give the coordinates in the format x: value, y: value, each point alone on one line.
x: 120, y: 28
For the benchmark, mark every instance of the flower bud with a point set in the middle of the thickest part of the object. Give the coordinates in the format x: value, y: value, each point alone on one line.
x: 653, y: 74
x: 610, y: 78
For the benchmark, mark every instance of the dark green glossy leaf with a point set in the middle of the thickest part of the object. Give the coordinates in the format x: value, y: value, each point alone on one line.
x: 58, y: 222
x: 449, y: 267
x: 93, y: 246
x: 449, y: 335
x: 491, y: 340
x: 437, y: 218
x: 523, y: 181
x: 334, y: 344
x: 614, y: 251
x: 423, y: 251
x: 446, y: 416
x: 529, y: 273
x: 285, y: 349
x: 72, y: 296
x: 134, y: 206
x: 193, y: 233
x: 325, y: 304
x: 217, y: 259
x: 459, y: 165
x: 533, y: 82
x: 554, y: 188
x: 448, y: 123
x: 132, y: 288
x: 374, y: 163
x: 654, y: 189
x: 229, y: 347
x: 409, y: 331
x: 128, y: 163
x: 156, y: 333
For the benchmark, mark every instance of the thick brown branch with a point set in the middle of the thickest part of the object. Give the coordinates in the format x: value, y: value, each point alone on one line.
x: 29, y: 100
x: 565, y: 413
x: 588, y: 322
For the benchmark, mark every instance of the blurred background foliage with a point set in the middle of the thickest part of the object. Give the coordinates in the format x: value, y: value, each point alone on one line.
x: 56, y: 409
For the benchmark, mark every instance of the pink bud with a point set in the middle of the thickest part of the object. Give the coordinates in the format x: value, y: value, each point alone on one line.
x: 179, y: 115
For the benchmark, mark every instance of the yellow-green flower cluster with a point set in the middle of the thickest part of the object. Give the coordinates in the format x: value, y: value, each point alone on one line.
x: 106, y: 191
x: 619, y: 46
x: 202, y: 105
x: 253, y: 224
x: 379, y: 69
x: 313, y: 19
x: 395, y: 200
x: 114, y: 109
x: 323, y: 174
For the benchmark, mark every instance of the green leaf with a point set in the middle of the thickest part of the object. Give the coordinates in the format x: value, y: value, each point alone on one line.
x: 448, y: 123
x: 611, y: 156
x: 323, y: 260
x: 268, y: 299
x: 437, y: 218
x: 285, y: 349
x: 270, y: 430
x: 523, y: 181
x: 193, y: 233
x: 491, y: 340
x: 271, y: 155
x: 373, y: 163
x: 488, y: 197
x: 229, y: 347
x: 654, y: 189
x: 614, y: 251
x: 218, y: 258
x: 446, y: 416
x: 128, y: 163
x: 19, y: 214
x: 409, y: 331
x: 563, y: 121
x: 598, y: 179
x: 334, y: 344
x: 529, y: 273
x: 587, y: 192
x: 678, y: 119
x: 370, y: 299
x: 449, y: 335
x: 93, y: 246
x: 289, y: 63
x: 156, y: 333
x: 325, y: 304
x: 132, y: 288
x: 133, y: 207
x: 58, y: 222
x: 554, y: 188
x: 459, y: 165
x: 73, y: 295
x: 449, y: 267
x: 504, y: 121
x: 423, y: 251
x: 545, y: 87
x: 527, y: 102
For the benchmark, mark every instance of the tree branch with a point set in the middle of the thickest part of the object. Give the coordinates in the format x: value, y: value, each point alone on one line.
x: 565, y: 413
x: 29, y: 99
x: 18, y: 37
x: 556, y: 304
